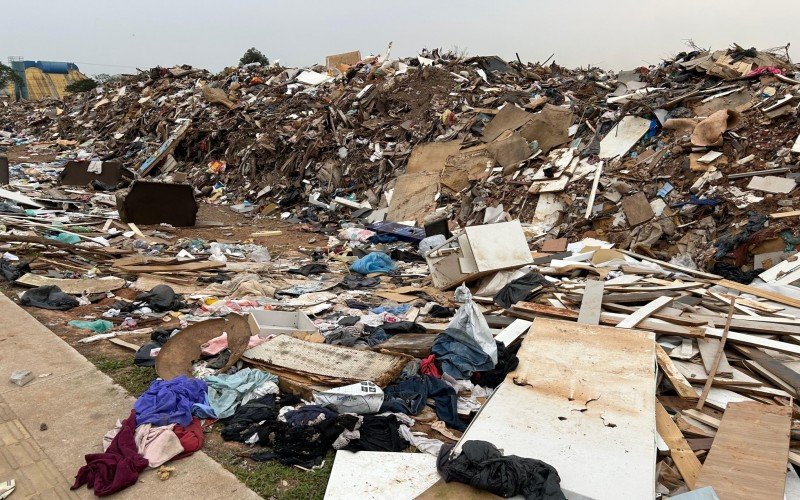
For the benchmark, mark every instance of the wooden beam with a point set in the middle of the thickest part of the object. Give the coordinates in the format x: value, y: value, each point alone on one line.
x: 592, y: 303
x: 715, y: 364
x: 778, y: 369
x: 756, y: 341
x: 676, y: 378
x: 758, y: 292
x: 680, y: 451
x: 667, y: 265
x: 643, y: 312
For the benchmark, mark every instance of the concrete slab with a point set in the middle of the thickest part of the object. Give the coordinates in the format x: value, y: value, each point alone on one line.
x: 79, y: 404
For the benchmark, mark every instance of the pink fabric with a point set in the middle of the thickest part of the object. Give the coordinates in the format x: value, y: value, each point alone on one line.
x: 219, y: 344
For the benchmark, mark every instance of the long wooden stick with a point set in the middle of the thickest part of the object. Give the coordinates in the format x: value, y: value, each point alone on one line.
x: 717, y: 357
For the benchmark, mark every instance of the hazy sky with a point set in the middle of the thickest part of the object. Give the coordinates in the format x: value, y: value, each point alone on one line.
x: 115, y: 36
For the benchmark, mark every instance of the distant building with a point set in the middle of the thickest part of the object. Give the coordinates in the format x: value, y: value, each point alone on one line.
x: 42, y: 79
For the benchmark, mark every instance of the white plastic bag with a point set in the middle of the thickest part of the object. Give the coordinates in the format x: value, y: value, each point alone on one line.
x: 471, y: 321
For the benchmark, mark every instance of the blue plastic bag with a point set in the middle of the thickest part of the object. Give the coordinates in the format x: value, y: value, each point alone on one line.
x: 375, y: 262
x: 97, y: 326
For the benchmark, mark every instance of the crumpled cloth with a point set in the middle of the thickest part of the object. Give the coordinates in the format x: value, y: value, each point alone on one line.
x: 219, y: 344
x: 227, y: 392
x: 116, y: 468
x: 170, y: 401
x: 483, y: 466
x: 459, y: 359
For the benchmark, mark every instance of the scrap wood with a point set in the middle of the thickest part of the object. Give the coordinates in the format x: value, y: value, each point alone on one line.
x: 38, y: 240
x: 680, y: 451
x: 750, y: 452
x: 178, y: 353
x: 708, y: 351
x: 591, y: 305
x: 74, y: 286
x: 773, y: 366
x: 676, y: 378
x: 717, y: 357
x: 643, y: 312
x: 557, y: 385
x: 758, y: 292
x: 529, y: 310
x: 326, y: 362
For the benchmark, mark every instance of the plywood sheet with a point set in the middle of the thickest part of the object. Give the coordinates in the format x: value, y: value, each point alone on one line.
x: 582, y: 401
x: 379, y: 475
x: 498, y: 246
x: 414, y: 197
x: 750, y: 452
x: 325, y: 363
x: 623, y: 136
x: 508, y: 118
x: 74, y: 286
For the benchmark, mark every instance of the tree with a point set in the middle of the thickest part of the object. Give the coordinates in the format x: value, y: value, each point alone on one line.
x: 253, y: 55
x: 7, y: 75
x: 84, y: 85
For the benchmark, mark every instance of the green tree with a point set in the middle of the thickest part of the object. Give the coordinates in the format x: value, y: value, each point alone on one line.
x: 7, y: 75
x: 253, y: 55
x: 84, y: 85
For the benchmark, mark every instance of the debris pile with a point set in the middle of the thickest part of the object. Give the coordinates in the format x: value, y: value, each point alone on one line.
x: 534, y: 277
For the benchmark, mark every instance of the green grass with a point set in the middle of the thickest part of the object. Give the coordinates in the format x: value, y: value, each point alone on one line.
x: 275, y: 481
x: 134, y: 379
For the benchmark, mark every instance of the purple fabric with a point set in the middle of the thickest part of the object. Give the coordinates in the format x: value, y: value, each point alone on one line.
x: 170, y: 401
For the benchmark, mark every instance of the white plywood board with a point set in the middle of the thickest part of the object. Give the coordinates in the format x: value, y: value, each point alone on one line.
x: 513, y: 331
x: 498, y: 246
x: 582, y: 401
x: 623, y: 136
x: 380, y: 475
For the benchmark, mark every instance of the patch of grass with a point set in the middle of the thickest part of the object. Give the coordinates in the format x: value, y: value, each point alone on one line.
x: 275, y: 481
x: 134, y: 379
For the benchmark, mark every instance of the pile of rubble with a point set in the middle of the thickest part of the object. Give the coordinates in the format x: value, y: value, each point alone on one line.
x: 592, y: 272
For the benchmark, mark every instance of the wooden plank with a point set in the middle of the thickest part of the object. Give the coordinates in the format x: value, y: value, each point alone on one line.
x: 661, y: 314
x: 592, y: 303
x: 643, y: 312
x: 579, y: 412
x: 593, y: 192
x: 676, y: 378
x: 708, y: 349
x: 756, y: 341
x: 414, y: 344
x: 530, y: 310
x: 750, y: 451
x: 752, y: 326
x: 715, y: 364
x: 702, y: 417
x: 758, y: 292
x: 778, y: 369
x: 74, y: 286
x: 680, y: 451
x: 513, y: 331
x: 757, y: 368
x: 673, y: 267
x: 165, y: 149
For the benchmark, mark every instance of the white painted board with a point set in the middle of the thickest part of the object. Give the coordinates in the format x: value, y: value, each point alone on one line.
x: 606, y: 451
x: 380, y: 475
